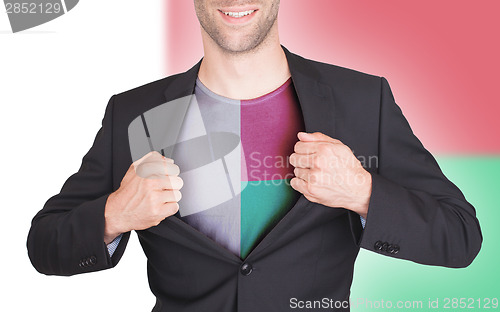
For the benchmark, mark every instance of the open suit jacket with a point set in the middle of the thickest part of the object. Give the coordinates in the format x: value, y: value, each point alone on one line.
x: 415, y: 213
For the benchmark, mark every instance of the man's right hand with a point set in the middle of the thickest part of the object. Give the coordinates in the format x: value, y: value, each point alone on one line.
x: 148, y: 193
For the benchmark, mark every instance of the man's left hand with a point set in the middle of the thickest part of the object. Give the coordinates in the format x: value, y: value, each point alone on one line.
x: 327, y: 172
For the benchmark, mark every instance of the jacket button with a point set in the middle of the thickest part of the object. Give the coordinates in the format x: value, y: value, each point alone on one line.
x: 93, y: 260
x: 246, y: 269
x: 384, y: 246
x: 390, y: 249
x: 378, y: 245
x: 396, y: 249
x: 82, y: 263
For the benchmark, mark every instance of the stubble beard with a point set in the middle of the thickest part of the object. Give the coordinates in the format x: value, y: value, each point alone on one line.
x: 247, y: 44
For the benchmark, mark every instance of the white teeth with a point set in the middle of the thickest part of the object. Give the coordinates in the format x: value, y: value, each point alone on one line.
x: 239, y: 14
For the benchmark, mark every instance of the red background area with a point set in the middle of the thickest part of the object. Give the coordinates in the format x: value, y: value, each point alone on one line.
x: 441, y: 58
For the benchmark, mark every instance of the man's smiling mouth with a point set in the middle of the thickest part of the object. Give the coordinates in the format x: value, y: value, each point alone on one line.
x: 239, y: 14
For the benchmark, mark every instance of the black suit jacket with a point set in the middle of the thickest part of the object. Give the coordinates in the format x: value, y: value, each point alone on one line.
x: 415, y: 213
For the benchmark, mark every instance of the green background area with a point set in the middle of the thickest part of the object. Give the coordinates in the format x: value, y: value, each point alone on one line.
x: 380, y: 278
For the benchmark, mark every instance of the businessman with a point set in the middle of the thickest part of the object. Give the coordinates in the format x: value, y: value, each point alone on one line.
x: 246, y: 179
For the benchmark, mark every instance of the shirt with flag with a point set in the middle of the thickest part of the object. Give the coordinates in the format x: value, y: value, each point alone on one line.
x: 256, y: 166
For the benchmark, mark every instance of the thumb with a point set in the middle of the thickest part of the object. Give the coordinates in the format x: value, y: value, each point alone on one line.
x: 148, y: 156
x: 316, y: 136
x: 152, y: 156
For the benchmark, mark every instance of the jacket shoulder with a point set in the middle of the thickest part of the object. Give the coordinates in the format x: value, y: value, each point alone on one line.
x: 152, y: 90
x: 131, y: 103
x: 338, y: 75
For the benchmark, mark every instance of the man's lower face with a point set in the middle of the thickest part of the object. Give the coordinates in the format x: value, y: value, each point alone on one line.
x: 237, y: 26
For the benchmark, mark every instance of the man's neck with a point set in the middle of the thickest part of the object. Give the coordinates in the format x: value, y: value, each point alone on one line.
x: 244, y: 76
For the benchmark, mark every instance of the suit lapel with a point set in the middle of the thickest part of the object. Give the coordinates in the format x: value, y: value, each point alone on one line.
x: 183, y: 85
x: 315, y: 98
x: 318, y: 109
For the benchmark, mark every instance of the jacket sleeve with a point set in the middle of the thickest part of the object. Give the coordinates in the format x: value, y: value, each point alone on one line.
x: 415, y: 212
x: 67, y: 236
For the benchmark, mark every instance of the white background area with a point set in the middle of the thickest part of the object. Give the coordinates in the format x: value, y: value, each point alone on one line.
x: 55, y: 82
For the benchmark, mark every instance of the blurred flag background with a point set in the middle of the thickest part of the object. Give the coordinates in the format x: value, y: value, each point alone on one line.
x: 441, y: 59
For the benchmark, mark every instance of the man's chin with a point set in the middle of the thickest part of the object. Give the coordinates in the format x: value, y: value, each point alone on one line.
x: 239, y: 46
